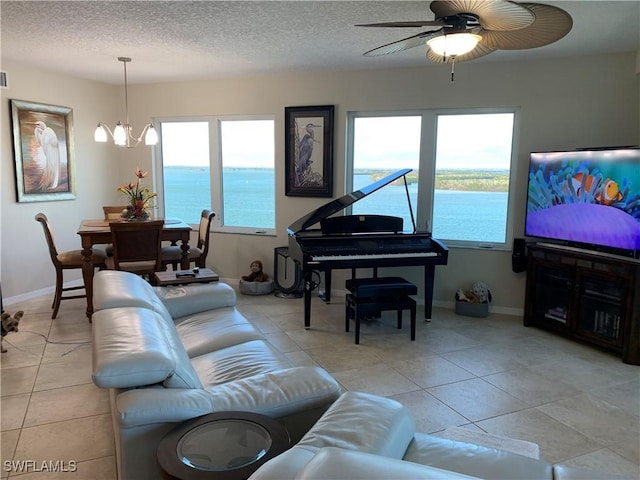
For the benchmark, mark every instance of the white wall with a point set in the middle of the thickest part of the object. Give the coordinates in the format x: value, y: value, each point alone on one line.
x: 586, y: 101
x: 25, y: 265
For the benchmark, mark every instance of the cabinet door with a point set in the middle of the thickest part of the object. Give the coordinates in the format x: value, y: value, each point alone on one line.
x: 552, y: 295
x: 601, y: 310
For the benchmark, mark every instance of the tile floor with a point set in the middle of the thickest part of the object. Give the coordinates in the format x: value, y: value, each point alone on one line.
x: 582, y: 406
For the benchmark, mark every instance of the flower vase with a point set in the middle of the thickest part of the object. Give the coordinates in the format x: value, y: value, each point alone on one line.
x: 135, y: 213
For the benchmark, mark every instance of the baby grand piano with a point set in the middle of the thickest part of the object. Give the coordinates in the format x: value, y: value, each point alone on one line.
x: 360, y: 241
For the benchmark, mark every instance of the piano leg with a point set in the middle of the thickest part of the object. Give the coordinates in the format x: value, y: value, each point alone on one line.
x: 308, y: 288
x: 327, y: 286
x: 429, y: 271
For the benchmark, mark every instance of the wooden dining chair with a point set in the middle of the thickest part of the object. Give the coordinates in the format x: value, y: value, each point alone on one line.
x: 66, y: 261
x: 172, y: 254
x: 112, y: 212
x: 136, y: 247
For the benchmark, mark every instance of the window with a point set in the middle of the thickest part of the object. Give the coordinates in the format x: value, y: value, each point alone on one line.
x: 185, y: 169
x: 462, y: 163
x: 225, y: 163
x: 384, y: 145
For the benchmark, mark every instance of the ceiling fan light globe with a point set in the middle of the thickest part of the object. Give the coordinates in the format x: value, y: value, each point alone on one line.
x: 453, y: 44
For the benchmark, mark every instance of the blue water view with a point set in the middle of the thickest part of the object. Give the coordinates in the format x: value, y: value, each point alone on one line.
x: 248, y: 196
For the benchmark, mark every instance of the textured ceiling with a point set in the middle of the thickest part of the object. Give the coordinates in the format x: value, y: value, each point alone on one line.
x: 184, y: 40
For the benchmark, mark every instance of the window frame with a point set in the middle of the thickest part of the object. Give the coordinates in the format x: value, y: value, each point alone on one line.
x: 424, y: 209
x: 215, y: 168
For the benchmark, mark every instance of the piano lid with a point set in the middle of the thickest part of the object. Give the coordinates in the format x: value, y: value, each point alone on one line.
x: 341, y: 203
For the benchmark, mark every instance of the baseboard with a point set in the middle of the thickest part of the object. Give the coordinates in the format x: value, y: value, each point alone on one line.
x: 23, y: 297
x: 6, y: 301
x: 518, y: 312
x: 234, y: 281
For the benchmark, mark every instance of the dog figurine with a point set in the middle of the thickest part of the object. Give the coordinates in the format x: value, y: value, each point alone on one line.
x: 256, y: 275
x: 9, y: 324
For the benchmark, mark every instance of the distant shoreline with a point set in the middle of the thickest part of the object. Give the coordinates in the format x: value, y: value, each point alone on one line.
x: 474, y: 180
x: 460, y: 180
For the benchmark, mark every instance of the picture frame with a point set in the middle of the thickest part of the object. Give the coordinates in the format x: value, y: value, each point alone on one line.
x: 43, y: 151
x: 309, y: 151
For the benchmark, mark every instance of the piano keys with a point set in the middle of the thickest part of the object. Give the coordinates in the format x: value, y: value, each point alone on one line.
x: 361, y: 241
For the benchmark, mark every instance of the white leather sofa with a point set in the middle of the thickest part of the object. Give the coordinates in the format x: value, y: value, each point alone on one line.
x: 363, y: 436
x: 170, y: 354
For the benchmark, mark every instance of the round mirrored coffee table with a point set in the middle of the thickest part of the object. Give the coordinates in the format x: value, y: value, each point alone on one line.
x: 222, y: 445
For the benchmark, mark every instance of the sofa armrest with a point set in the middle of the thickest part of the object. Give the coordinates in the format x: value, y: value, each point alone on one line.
x: 185, y: 300
x: 273, y: 394
x: 279, y: 393
x: 331, y: 462
x: 145, y: 406
x: 345, y: 424
x: 565, y: 472
x: 472, y: 459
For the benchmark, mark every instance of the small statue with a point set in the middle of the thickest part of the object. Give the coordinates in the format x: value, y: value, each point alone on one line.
x: 256, y: 275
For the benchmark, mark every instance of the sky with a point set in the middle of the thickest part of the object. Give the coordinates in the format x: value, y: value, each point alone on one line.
x: 462, y: 141
x: 244, y: 143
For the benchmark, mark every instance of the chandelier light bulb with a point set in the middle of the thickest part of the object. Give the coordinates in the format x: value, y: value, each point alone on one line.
x: 151, y: 137
x: 100, y: 135
x: 119, y: 134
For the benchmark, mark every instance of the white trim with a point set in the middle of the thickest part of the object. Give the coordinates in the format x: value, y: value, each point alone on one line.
x: 337, y: 293
x: 23, y: 297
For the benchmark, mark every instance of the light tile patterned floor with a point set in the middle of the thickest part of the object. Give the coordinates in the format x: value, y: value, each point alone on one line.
x: 582, y: 406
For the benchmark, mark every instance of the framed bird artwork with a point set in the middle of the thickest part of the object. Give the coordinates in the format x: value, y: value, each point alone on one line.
x: 43, y: 151
x: 309, y: 151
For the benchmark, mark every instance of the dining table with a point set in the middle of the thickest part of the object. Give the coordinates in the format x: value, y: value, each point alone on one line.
x: 97, y: 232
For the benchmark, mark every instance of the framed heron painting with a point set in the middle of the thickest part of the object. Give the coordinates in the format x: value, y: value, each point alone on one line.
x: 43, y: 151
x: 309, y: 151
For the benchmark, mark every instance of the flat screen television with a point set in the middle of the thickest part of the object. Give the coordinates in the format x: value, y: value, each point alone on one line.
x: 586, y: 198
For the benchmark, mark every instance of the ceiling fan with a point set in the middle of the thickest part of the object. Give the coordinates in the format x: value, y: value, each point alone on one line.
x: 468, y: 29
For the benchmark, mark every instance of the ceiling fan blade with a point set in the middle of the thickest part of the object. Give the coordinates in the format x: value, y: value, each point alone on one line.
x: 492, y: 14
x: 400, y: 45
x: 551, y: 25
x: 425, y: 23
x: 479, y: 51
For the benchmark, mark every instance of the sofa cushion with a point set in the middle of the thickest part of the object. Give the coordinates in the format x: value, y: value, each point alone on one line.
x: 184, y: 375
x: 115, y: 288
x: 215, y: 329
x: 238, y: 361
x: 130, y: 349
x: 183, y: 300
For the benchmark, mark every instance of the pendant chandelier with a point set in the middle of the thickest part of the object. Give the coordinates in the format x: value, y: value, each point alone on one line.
x: 122, y: 134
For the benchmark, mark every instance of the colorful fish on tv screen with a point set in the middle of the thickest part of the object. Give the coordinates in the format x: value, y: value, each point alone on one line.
x: 586, y: 196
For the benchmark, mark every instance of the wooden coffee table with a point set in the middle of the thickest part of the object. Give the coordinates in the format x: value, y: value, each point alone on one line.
x: 180, y: 277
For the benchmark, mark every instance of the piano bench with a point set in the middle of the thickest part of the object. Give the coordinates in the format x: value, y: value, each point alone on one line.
x: 358, y: 308
x: 380, y: 287
x: 371, y: 296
